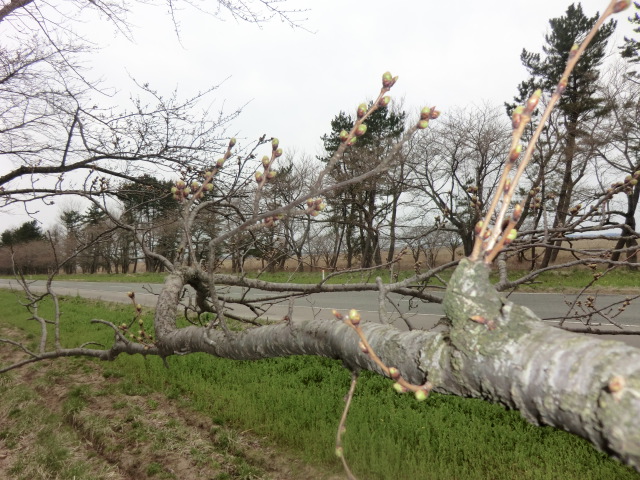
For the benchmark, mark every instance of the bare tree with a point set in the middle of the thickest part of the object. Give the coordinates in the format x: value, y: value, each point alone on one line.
x: 490, y: 349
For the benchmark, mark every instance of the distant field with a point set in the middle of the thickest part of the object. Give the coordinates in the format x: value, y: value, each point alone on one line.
x: 566, y: 280
x: 218, y: 419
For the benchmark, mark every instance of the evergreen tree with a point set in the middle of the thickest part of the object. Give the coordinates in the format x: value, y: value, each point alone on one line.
x: 631, y: 48
x: 579, y: 102
x: 358, y: 209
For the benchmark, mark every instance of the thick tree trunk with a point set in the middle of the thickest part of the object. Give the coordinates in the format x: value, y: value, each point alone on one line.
x: 494, y: 350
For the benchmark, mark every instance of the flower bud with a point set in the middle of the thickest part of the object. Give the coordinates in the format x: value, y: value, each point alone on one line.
x: 425, y: 113
x: 274, y: 144
x: 209, y: 187
x: 562, y: 86
x: 516, y: 116
x: 131, y: 294
x: 515, y: 153
x: 399, y: 388
x: 220, y: 162
x: 180, y: 184
x: 361, y: 130
x: 344, y: 135
x: 394, y: 373
x: 258, y: 176
x: 387, y: 80
x: 174, y: 189
x: 384, y: 101
x: 232, y: 143
x: 138, y: 307
x: 574, y: 50
x: 422, y: 124
x: 266, y: 161
x: 517, y: 212
x: 352, y: 141
x: 532, y: 103
x: 278, y: 153
x: 478, y: 227
x: 421, y: 395
x: 511, y: 236
x: 271, y: 174
x: 434, y: 114
x: 208, y: 174
x: 362, y: 110
x: 621, y: 5
x: 354, y: 316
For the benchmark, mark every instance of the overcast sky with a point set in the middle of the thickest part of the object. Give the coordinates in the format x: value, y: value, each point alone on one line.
x: 294, y: 81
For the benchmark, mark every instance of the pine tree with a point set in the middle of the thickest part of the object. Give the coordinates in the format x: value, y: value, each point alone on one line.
x: 631, y: 48
x: 579, y: 102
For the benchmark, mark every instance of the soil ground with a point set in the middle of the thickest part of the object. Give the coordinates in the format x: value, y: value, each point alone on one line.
x: 65, y: 420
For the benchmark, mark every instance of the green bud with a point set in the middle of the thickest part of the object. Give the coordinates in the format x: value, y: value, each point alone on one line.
x: 220, y: 162
x: 425, y: 113
x: 387, y: 80
x: 384, y: 101
x: 274, y: 144
x: 399, y: 388
x: 422, y: 124
x: 232, y: 143
x: 258, y: 176
x: 421, y: 395
x: 209, y: 187
x: 362, y: 110
x: 271, y: 174
x: 344, y: 135
x: 352, y: 141
x: 266, y: 161
x: 278, y: 152
x: 174, y: 189
x: 361, y: 130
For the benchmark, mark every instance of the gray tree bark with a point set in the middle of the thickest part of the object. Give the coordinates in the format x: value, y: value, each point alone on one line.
x: 493, y: 350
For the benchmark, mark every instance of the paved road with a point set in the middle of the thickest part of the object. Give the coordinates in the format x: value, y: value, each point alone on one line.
x: 420, y: 315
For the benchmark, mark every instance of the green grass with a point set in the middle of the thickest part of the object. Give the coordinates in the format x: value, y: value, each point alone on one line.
x: 297, y: 402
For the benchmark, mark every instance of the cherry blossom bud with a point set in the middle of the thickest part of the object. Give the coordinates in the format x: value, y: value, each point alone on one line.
x: 195, y: 186
x: 131, y: 294
x: 384, y: 101
x: 434, y: 114
x: 258, y: 177
x: 344, y: 135
x: 352, y: 141
x: 507, y: 185
x: 515, y: 153
x: 362, y: 110
x: 336, y: 314
x: 562, y: 86
x: 574, y: 50
x: 532, y: 103
x: 278, y: 153
x: 511, y: 236
x: 266, y: 161
x: 232, y: 143
x: 220, y: 162
x: 516, y: 116
x: 394, y: 373
x: 425, y: 113
x: 271, y: 174
x: 422, y: 124
x: 399, y: 388
x: 361, y: 130
x: 209, y: 187
x: 208, y: 174
x: 314, y: 213
x: 517, y: 212
x: 174, y: 189
x: 138, y: 307
x: 478, y: 227
x: 354, y: 316
x: 421, y: 395
x: 621, y: 5
x: 274, y: 144
x: 180, y: 184
x: 387, y: 80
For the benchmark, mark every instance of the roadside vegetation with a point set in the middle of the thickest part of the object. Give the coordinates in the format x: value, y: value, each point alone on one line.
x: 558, y: 281
x: 251, y: 420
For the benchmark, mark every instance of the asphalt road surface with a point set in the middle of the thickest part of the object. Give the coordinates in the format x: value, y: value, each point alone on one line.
x: 417, y: 314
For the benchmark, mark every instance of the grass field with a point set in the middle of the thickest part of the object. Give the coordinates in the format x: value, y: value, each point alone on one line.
x: 561, y: 281
x: 205, y: 417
